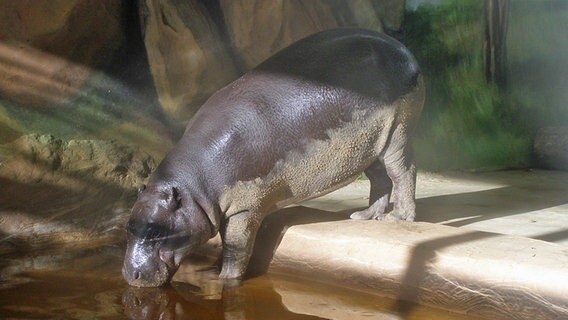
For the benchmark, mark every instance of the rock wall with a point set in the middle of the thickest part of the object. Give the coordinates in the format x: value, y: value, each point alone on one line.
x: 188, y: 58
x: 259, y: 28
x: 49, y: 51
x: 68, y: 68
x: 48, y: 48
x: 197, y: 47
x: 58, y: 192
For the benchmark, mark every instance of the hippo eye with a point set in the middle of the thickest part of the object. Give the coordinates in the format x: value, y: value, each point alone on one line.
x: 153, y: 231
x: 133, y: 228
x: 146, y: 231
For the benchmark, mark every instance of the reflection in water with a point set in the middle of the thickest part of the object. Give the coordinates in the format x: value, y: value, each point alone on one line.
x: 212, y: 299
x: 149, y: 303
x: 88, y: 285
x: 185, y: 302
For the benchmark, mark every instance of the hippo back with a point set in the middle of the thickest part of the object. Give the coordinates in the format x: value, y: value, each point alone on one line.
x: 294, y: 97
x: 360, y: 60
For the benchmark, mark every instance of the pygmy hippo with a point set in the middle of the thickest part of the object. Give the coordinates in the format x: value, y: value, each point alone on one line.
x: 305, y: 122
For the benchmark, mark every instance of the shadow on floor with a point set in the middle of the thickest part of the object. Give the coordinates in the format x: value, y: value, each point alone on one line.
x: 274, y: 227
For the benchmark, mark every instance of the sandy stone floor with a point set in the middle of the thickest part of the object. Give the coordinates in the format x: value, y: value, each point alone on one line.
x: 527, y: 203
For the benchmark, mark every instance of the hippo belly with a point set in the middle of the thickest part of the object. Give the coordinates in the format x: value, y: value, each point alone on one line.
x: 320, y: 166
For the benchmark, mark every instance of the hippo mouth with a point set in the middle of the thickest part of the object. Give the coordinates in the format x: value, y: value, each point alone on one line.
x: 158, y: 277
x: 147, y: 267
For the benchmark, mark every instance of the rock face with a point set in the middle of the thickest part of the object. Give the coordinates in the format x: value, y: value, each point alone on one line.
x: 551, y: 148
x: 57, y: 192
x: 259, y: 28
x: 64, y: 70
x: 194, y: 50
x: 188, y: 58
x: 47, y: 48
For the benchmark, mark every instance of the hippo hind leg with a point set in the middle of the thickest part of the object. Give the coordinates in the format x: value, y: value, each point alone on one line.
x: 401, y: 169
x: 381, y: 187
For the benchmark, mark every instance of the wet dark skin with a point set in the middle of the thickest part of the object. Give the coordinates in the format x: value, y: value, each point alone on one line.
x: 303, y: 123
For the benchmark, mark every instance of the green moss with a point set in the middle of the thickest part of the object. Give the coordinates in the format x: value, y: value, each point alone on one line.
x: 465, y: 124
x: 102, y: 109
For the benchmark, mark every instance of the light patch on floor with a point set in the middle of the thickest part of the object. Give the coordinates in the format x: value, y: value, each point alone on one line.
x: 528, y: 203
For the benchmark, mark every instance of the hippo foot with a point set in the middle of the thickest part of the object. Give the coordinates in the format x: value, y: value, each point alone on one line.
x: 233, y: 266
x: 397, y: 215
x: 367, y: 214
x: 229, y: 272
x: 375, y: 211
x: 231, y: 282
x: 371, y: 214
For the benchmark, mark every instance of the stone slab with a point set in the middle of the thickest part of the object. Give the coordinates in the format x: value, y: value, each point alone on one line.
x: 478, y: 273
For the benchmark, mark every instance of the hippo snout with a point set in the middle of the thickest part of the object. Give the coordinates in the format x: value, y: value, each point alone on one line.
x: 144, y: 267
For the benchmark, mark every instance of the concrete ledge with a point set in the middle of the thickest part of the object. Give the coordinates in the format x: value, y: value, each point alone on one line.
x: 478, y: 273
x: 481, y: 274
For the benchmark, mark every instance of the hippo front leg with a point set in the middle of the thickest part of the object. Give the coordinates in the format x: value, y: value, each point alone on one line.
x: 238, y: 237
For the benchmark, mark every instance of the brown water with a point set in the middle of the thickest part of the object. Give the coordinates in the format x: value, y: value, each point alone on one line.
x: 88, y: 285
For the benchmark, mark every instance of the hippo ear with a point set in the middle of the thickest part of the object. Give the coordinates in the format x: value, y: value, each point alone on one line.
x: 176, y: 198
x: 141, y: 188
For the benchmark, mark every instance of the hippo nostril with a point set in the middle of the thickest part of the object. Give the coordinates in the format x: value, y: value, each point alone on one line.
x: 136, y: 275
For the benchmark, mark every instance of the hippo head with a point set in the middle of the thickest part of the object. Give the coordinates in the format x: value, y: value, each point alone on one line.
x: 162, y: 230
